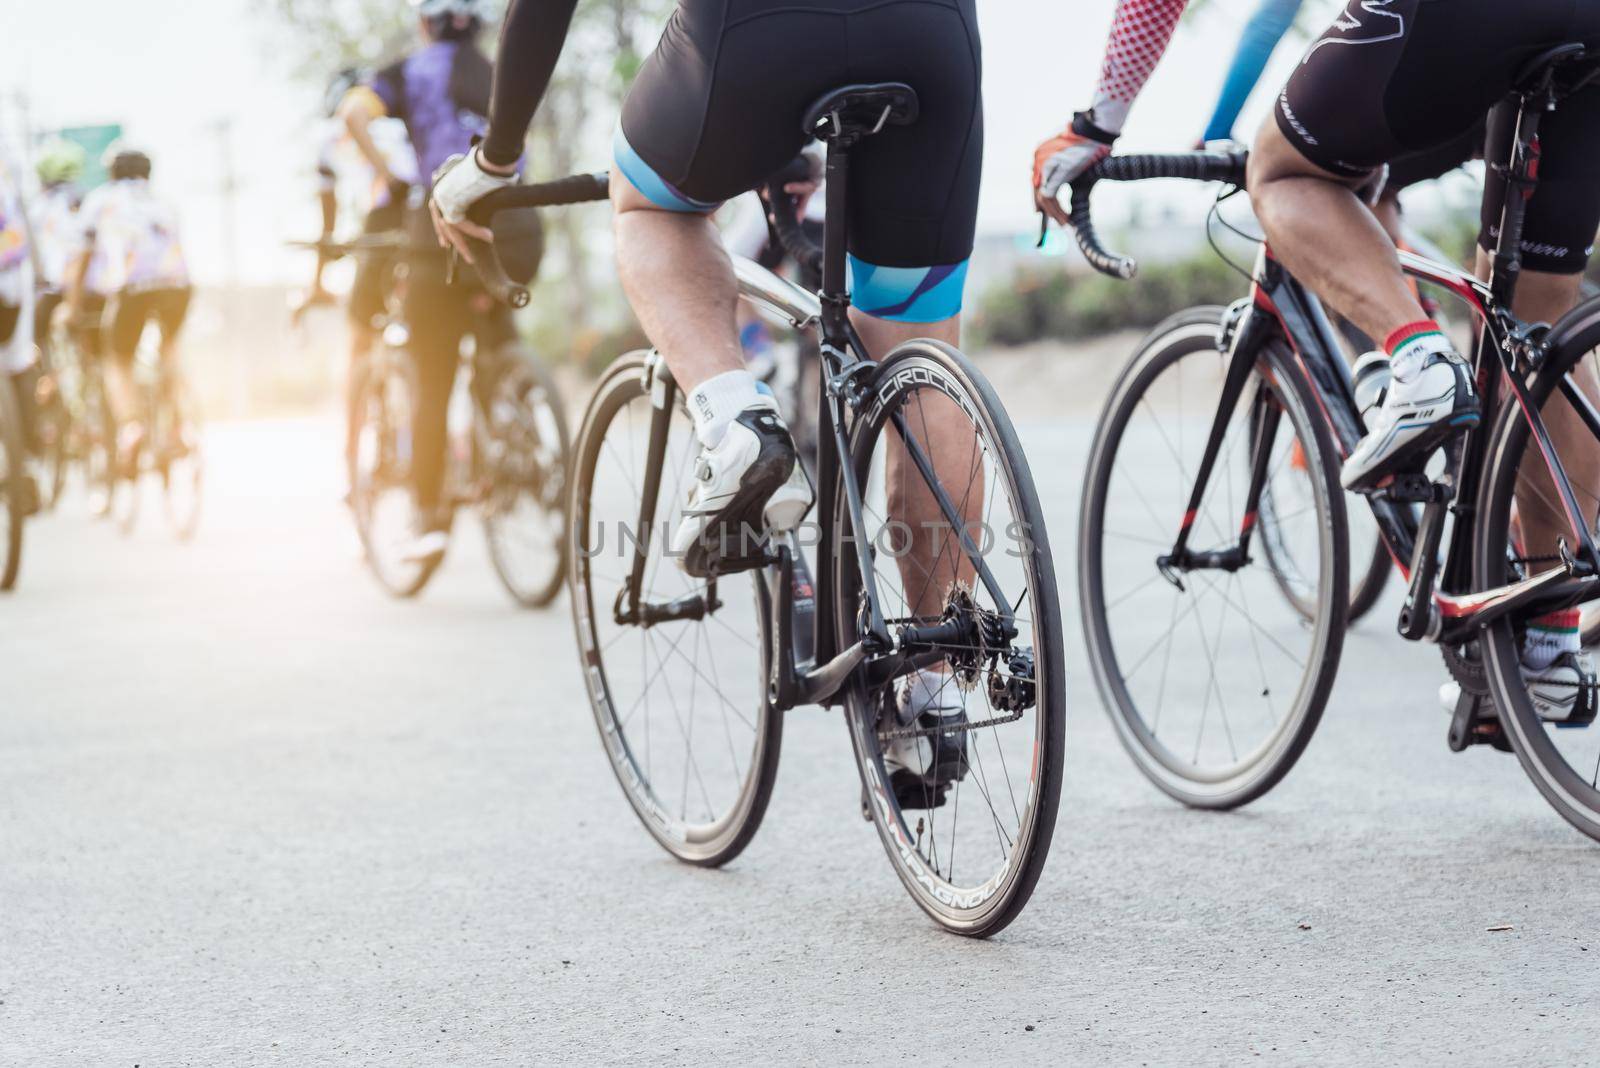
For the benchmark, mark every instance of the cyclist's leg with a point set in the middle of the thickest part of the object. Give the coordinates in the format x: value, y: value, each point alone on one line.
x: 368, y: 299
x: 170, y: 307
x: 1558, y: 236
x: 438, y: 316
x: 913, y: 204
x: 127, y: 315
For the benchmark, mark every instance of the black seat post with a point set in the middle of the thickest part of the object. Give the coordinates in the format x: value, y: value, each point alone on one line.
x: 835, y: 240
x: 1520, y: 173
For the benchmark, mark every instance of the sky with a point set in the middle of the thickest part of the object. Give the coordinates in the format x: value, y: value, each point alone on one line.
x: 173, y: 71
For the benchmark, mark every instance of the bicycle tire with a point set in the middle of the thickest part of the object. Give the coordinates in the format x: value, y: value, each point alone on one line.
x: 1577, y: 801
x: 378, y: 393
x: 539, y: 385
x: 719, y: 839
x: 1179, y: 336
x: 988, y: 907
x: 13, y: 476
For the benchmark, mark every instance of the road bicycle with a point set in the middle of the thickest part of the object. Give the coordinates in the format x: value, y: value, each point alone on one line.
x: 689, y: 679
x: 1214, y: 683
x: 172, y: 450
x: 506, y: 452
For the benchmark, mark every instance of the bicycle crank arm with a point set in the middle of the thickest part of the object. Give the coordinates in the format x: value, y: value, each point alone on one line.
x: 820, y: 685
x: 692, y: 609
x: 1457, y: 618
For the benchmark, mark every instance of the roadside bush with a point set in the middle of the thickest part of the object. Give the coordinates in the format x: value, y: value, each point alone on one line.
x: 1047, y: 302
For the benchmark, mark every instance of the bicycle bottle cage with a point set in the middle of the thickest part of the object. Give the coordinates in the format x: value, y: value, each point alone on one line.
x: 852, y: 112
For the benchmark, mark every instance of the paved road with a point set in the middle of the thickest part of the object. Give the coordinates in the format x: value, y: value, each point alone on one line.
x: 253, y: 812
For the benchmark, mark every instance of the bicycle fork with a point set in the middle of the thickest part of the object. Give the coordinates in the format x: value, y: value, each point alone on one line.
x: 1244, y: 347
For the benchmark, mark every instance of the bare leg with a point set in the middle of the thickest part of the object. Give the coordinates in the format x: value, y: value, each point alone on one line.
x: 1328, y: 238
x: 680, y: 283
x: 1543, y: 297
x: 934, y: 559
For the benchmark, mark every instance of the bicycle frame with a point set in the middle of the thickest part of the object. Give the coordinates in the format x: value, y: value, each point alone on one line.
x: 844, y: 365
x: 1439, y: 608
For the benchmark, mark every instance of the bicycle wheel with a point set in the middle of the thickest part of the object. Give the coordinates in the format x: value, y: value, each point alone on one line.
x: 677, y: 682
x: 52, y: 432
x: 1515, y: 500
x: 181, y: 462
x: 13, y: 476
x: 521, y: 442
x: 381, y: 498
x: 969, y: 851
x: 1214, y: 682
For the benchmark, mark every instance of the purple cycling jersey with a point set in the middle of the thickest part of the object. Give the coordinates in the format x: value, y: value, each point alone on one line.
x: 417, y: 90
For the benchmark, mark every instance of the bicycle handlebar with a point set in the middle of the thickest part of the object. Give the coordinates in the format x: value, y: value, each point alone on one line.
x: 1204, y: 166
x: 807, y: 253
x: 574, y: 189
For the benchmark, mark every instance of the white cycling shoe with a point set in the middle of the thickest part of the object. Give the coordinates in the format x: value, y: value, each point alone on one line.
x: 723, y: 528
x: 921, y: 765
x: 1563, y: 693
x: 1413, y: 419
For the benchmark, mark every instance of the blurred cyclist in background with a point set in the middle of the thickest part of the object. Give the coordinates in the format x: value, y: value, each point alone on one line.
x: 330, y: 135
x: 1256, y: 45
x: 379, y: 194
x: 17, y: 353
x: 440, y: 91
x: 54, y: 215
x: 130, y: 248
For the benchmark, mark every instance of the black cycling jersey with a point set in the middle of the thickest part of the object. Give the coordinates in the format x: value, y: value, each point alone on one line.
x: 1395, y: 77
x: 717, y: 108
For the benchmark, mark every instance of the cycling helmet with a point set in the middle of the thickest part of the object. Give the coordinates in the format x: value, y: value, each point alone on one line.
x: 341, y: 84
x: 59, y: 162
x: 122, y: 161
x: 466, y: 9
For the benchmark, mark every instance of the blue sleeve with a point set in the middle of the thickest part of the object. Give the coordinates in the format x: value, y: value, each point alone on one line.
x: 1261, y: 36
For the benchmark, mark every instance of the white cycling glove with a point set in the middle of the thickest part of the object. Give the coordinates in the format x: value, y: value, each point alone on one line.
x: 461, y: 182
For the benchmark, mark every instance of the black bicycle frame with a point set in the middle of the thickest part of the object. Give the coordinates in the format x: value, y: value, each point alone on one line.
x: 844, y: 365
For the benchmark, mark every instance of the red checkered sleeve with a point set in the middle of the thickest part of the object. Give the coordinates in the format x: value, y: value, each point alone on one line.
x: 1140, y: 33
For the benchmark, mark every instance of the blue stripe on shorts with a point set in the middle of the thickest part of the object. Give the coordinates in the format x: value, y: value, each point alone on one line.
x: 648, y: 182
x: 908, y: 294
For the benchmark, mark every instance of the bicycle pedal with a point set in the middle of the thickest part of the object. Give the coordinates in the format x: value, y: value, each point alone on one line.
x: 1409, y: 488
x: 1476, y: 722
x: 911, y: 791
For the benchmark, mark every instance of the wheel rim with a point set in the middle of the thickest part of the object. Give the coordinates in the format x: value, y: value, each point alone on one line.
x: 1564, y: 763
x: 962, y: 860
x: 680, y: 705
x: 525, y: 515
x: 1213, y: 697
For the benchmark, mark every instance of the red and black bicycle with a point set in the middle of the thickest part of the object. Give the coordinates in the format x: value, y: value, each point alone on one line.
x: 1213, y: 490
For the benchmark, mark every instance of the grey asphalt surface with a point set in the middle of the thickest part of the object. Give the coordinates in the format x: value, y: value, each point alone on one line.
x: 253, y: 811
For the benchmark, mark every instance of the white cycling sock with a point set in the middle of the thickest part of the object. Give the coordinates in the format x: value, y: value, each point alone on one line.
x: 1411, y: 345
x: 1549, y: 636
x: 718, y: 400
x: 932, y: 690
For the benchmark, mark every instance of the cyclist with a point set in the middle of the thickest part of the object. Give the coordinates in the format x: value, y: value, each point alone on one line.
x: 1256, y: 44
x: 54, y: 218
x: 695, y: 132
x: 382, y: 192
x: 133, y: 236
x: 1392, y: 77
x: 331, y: 135
x: 440, y: 91
x: 17, y: 353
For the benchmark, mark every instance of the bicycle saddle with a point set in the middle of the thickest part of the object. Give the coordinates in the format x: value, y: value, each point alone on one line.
x: 852, y: 112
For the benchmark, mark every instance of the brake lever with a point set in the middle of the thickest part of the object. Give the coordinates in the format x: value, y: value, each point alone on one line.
x: 1044, y: 228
